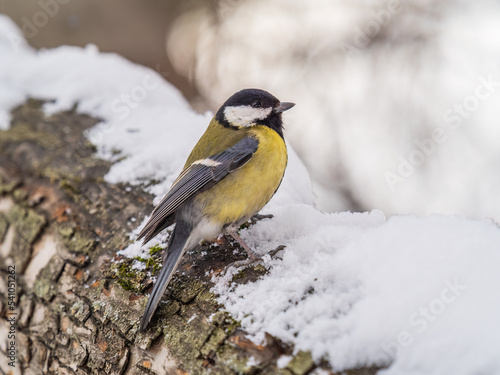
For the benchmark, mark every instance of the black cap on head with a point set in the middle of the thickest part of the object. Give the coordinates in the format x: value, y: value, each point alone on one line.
x: 250, y: 97
x: 257, y: 99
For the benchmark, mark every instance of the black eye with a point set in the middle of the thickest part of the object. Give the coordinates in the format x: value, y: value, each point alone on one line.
x: 257, y: 104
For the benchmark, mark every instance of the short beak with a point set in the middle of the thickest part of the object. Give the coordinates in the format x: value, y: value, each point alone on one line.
x: 283, y: 106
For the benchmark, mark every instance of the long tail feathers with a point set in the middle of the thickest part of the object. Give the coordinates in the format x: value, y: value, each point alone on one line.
x: 175, y: 250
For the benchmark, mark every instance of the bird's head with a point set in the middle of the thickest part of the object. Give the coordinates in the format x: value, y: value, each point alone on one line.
x: 250, y: 107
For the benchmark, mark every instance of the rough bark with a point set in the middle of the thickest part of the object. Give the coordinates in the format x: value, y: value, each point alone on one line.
x: 78, y: 304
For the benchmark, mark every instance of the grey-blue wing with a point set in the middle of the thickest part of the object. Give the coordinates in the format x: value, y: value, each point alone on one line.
x: 199, y: 176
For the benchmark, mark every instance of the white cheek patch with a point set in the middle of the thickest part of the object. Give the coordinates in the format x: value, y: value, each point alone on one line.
x: 245, y: 115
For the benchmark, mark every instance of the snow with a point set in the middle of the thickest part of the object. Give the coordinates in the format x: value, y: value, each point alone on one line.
x: 143, y: 114
x: 362, y: 290
x: 283, y: 361
x: 416, y: 294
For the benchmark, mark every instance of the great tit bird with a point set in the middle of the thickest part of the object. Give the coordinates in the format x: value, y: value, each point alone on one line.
x: 231, y: 173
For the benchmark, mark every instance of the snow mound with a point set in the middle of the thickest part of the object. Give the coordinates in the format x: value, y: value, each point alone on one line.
x: 419, y: 293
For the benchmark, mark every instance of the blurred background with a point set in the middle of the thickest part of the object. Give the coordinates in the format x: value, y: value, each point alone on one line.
x: 398, y: 102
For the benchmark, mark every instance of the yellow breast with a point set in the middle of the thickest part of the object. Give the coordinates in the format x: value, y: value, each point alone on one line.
x: 245, y: 191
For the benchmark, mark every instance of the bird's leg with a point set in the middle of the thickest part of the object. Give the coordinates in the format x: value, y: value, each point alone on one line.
x: 251, y: 254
